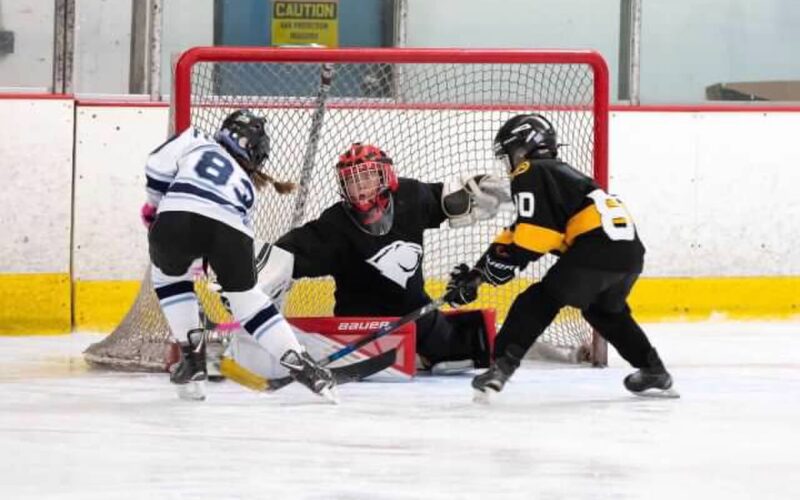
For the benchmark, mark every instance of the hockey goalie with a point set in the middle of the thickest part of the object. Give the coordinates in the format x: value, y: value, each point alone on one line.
x: 371, y: 244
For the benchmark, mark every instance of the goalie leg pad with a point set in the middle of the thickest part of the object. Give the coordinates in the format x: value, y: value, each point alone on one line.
x: 477, y: 329
x: 250, y: 357
x: 437, y: 340
x: 459, y: 336
x: 275, y: 267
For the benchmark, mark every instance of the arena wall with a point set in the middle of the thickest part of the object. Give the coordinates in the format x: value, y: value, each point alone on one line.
x: 37, y: 162
x: 712, y: 193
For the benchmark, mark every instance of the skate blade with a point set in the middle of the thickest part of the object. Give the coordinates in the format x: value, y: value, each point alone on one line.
x: 193, y: 391
x: 213, y: 372
x: 330, y: 394
x: 481, y: 397
x: 658, y: 393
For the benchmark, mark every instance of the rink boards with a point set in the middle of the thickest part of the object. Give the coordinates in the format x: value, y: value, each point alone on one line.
x: 717, y: 223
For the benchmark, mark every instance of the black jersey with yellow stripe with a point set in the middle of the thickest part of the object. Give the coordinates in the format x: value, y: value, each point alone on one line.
x: 564, y: 212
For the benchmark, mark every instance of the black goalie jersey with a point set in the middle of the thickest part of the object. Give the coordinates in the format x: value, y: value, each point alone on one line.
x: 564, y: 212
x: 374, y: 275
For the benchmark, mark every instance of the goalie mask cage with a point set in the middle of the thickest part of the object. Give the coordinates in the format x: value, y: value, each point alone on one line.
x: 434, y: 111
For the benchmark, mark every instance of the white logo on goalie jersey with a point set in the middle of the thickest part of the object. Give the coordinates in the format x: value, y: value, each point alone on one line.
x: 398, y: 261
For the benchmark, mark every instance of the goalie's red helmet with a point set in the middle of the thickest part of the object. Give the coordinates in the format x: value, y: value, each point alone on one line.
x: 366, y: 183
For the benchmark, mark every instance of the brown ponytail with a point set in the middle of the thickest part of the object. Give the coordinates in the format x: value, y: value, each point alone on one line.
x: 260, y: 179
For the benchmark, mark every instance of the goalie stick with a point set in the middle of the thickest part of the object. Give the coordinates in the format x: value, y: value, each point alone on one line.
x: 326, y: 78
x: 231, y: 369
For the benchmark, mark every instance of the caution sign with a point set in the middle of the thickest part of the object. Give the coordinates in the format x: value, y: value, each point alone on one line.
x: 301, y: 22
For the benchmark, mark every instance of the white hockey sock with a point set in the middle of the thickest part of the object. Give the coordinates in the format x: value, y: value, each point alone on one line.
x: 278, y: 338
x: 178, y: 302
x: 182, y: 315
x: 261, y: 319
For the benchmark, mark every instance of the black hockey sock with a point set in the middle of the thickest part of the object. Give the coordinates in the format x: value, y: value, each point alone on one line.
x: 622, y: 331
x: 532, y: 311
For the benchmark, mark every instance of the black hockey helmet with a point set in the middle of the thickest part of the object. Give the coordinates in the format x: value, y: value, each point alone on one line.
x: 528, y: 136
x: 243, y: 135
x: 366, y: 183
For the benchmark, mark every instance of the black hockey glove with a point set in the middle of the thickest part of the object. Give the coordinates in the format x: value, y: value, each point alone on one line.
x: 463, y: 286
x: 497, y: 266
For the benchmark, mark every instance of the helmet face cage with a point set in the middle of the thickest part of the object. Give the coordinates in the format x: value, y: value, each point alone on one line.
x: 364, y: 185
x: 366, y: 182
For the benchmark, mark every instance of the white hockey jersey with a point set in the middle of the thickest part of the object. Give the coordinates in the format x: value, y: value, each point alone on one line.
x: 192, y: 173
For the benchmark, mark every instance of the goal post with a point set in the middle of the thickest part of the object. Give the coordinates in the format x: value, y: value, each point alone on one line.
x: 435, y: 112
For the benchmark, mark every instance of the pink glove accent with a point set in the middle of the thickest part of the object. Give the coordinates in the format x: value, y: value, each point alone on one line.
x: 148, y: 214
x: 229, y: 327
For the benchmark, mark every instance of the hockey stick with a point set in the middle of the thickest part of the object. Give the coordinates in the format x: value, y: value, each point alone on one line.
x: 368, y: 365
x: 387, y: 329
x: 231, y: 369
x: 382, y: 332
x: 326, y: 78
x: 341, y: 374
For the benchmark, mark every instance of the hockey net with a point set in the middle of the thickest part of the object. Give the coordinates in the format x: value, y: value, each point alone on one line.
x: 435, y: 112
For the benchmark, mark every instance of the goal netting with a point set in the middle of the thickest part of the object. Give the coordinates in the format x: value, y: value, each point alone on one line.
x: 435, y: 112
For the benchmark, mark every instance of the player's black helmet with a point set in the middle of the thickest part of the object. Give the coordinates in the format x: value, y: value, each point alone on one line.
x: 527, y: 136
x: 366, y: 183
x: 243, y: 135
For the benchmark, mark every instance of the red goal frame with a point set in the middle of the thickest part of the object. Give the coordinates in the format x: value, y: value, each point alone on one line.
x: 183, y: 74
x: 182, y: 85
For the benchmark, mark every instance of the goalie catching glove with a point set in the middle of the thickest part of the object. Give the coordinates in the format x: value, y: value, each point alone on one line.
x: 471, y: 199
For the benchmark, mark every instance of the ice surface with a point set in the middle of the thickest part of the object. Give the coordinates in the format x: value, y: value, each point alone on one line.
x: 555, y: 432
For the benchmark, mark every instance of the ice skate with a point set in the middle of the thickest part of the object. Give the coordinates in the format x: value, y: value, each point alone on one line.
x: 493, y: 380
x: 306, y: 371
x: 216, y: 343
x: 652, y: 380
x: 189, y: 374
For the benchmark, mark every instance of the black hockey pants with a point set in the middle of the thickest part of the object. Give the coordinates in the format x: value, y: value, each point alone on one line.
x: 600, y: 295
x: 178, y: 238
